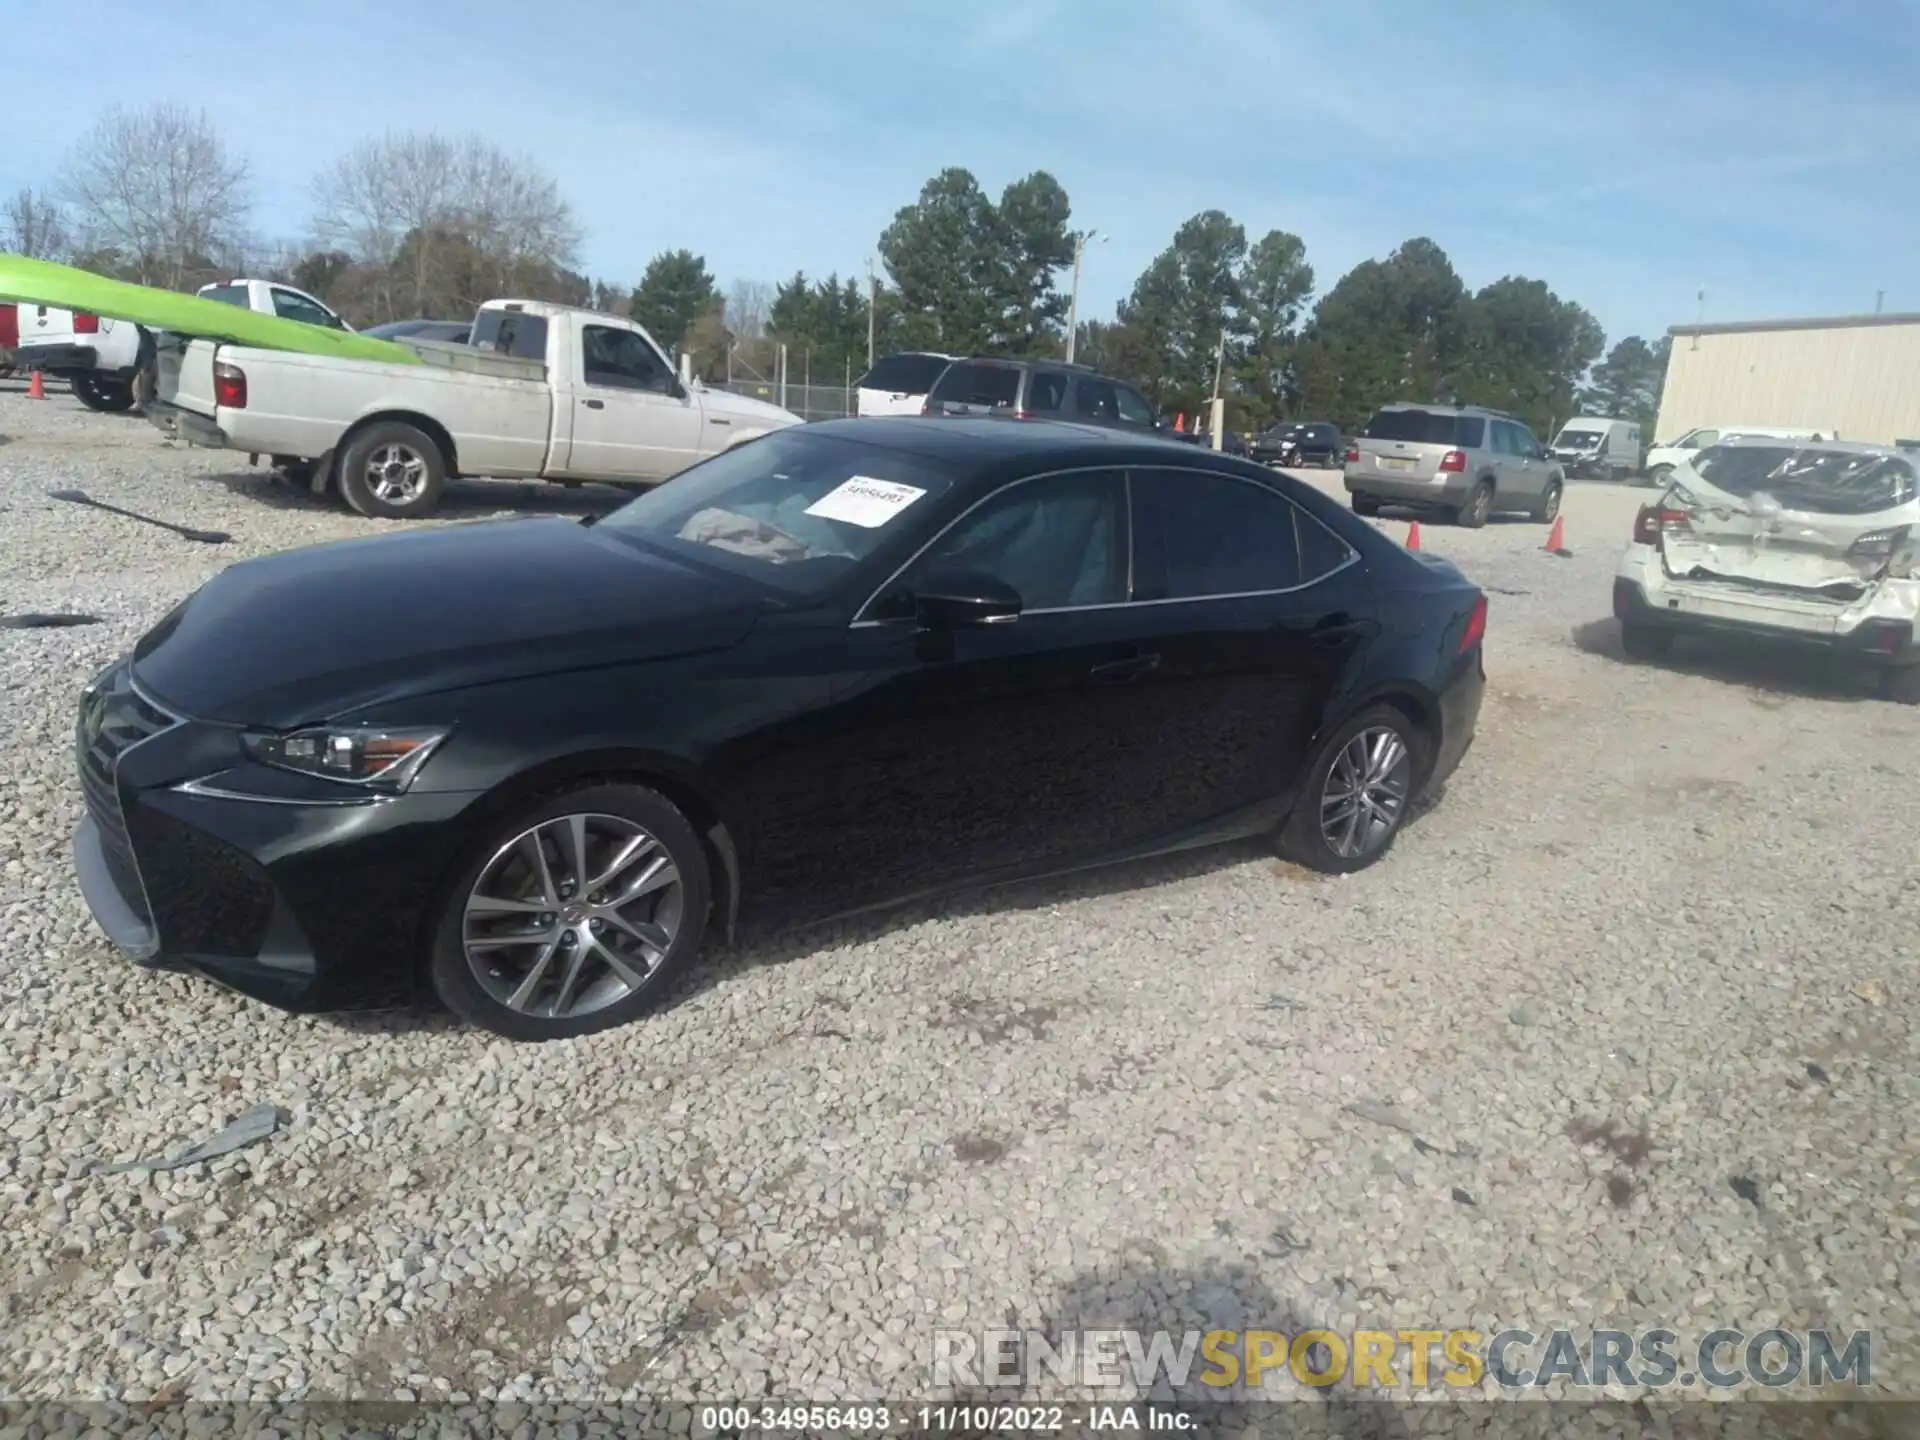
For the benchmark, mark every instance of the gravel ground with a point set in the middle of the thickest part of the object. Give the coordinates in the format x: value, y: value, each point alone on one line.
x: 1640, y: 987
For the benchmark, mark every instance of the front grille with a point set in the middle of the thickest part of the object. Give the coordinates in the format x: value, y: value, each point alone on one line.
x: 115, y: 717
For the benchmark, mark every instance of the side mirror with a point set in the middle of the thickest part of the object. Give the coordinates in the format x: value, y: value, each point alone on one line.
x: 963, y: 601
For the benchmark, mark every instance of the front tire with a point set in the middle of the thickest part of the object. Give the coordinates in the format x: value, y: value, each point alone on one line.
x: 1357, y: 793
x: 104, y: 394
x: 573, y: 915
x: 1473, y: 514
x: 1547, y: 508
x: 1660, y: 476
x: 393, y: 471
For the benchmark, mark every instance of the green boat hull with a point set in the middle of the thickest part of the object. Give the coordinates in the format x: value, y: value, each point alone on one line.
x: 41, y: 282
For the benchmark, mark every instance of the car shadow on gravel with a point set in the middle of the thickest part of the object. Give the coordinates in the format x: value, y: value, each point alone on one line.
x: 1777, y: 670
x: 1409, y: 513
x: 461, y: 500
x: 1146, y: 1301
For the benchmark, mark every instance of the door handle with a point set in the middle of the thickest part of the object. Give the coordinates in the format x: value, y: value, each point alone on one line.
x: 594, y: 404
x: 1130, y: 667
x: 1337, y: 630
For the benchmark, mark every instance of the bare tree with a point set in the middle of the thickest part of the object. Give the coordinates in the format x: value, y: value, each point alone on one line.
x: 35, y: 227
x: 440, y: 218
x: 748, y: 304
x: 157, y: 186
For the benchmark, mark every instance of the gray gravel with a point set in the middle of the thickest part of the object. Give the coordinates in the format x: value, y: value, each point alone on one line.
x: 1588, y: 993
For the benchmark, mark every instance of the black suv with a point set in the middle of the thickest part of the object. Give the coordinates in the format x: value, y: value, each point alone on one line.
x: 1038, y: 390
x: 1308, y: 442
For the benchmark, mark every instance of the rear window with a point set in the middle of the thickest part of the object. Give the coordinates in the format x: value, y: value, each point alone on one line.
x: 511, y: 332
x: 968, y: 384
x: 1426, y: 427
x: 1822, y: 482
x: 904, y: 374
x: 227, y: 295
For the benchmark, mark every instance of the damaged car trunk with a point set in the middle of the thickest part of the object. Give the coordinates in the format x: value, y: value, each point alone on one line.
x: 1829, y: 521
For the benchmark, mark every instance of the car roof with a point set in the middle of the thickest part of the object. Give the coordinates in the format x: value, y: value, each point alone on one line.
x: 999, y: 443
x: 1006, y: 363
x: 1801, y: 442
x: 1447, y: 409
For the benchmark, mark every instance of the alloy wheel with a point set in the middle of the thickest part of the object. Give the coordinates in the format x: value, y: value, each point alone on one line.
x: 1365, y: 792
x: 572, y: 915
x: 396, y: 474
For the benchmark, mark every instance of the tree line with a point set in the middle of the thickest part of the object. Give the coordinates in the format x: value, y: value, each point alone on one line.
x: 412, y: 224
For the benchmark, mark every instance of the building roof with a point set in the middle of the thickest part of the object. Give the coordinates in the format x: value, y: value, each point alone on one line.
x: 1815, y: 322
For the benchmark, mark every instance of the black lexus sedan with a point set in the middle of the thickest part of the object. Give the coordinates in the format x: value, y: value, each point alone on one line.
x: 533, y: 764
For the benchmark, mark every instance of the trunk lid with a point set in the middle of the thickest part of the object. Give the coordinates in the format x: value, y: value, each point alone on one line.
x: 1825, y: 521
x: 183, y: 373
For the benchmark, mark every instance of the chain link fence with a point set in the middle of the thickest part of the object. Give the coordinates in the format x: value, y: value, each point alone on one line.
x: 809, y: 402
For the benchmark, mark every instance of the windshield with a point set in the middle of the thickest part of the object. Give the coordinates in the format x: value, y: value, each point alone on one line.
x: 794, y: 509
x: 1821, y: 482
x: 1578, y: 439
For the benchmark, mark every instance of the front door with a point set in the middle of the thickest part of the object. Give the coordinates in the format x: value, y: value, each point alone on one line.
x: 630, y: 418
x: 1253, y: 611
x: 960, y: 754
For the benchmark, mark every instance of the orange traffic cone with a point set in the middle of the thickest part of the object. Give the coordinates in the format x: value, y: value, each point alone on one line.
x: 36, y: 387
x: 1413, y: 536
x: 1557, y: 538
x: 1180, y: 422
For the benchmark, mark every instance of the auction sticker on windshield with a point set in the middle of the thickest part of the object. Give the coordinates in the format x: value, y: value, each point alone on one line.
x: 865, y: 501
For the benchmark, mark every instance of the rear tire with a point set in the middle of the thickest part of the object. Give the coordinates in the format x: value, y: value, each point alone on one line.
x: 393, y: 471
x: 1305, y: 838
x: 1901, y: 684
x: 1365, y: 506
x: 1473, y: 514
x: 103, y: 393
x: 675, y: 910
x: 1642, y: 641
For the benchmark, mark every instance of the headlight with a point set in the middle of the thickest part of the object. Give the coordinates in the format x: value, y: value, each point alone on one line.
x: 380, y: 759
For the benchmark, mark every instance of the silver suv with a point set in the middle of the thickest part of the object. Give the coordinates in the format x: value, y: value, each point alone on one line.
x: 1464, y: 460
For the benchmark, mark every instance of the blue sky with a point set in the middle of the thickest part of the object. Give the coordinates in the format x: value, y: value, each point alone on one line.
x: 1627, y: 153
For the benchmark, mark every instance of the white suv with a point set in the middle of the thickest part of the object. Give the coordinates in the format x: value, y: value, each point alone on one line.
x: 898, y: 384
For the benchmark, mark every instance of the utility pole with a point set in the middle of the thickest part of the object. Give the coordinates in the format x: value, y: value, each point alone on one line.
x: 1080, y: 239
x: 871, y: 290
x: 1219, y: 363
x: 1879, y: 301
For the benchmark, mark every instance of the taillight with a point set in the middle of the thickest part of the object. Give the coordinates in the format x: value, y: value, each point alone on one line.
x: 229, y: 386
x: 1476, y: 630
x: 1653, y: 520
x: 1023, y: 414
x: 85, y: 324
x: 1353, y: 455
x: 1453, y: 462
x: 1877, y: 546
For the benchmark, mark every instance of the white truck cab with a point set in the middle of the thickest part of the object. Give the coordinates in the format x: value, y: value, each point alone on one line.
x: 1663, y: 457
x: 540, y: 391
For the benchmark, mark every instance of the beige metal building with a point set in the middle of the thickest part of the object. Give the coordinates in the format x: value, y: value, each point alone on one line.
x: 1857, y: 374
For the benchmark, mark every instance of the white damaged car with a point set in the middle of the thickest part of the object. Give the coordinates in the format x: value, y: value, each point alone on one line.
x: 1808, y: 542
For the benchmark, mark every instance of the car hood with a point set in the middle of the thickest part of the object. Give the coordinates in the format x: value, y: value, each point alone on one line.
x: 744, y: 408
x: 320, y: 633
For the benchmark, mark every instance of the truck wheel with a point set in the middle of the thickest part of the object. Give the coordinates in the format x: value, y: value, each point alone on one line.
x: 1660, y: 476
x: 98, y: 392
x: 393, y: 471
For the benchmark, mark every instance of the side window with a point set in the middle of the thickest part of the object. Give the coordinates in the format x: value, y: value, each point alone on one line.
x: 1134, y: 409
x: 1094, y: 400
x: 621, y: 359
x: 289, y: 306
x: 1523, y: 441
x: 1060, y: 541
x: 1197, y: 533
x: 1321, y: 551
x: 1046, y: 392
x: 227, y: 295
x: 1702, y: 439
x: 1470, y: 432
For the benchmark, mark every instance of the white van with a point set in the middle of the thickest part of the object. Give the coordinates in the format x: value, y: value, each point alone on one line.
x: 1662, y: 458
x: 898, y: 384
x: 1591, y: 446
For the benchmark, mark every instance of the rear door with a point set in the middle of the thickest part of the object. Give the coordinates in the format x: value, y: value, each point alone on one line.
x: 1249, y: 612
x: 630, y: 418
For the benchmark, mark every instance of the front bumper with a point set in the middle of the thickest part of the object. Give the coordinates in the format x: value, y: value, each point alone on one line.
x: 302, y: 906
x: 1877, y: 629
x: 62, y: 361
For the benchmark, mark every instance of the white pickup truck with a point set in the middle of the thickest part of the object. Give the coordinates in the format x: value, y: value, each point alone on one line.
x: 544, y: 392
x: 103, y: 359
